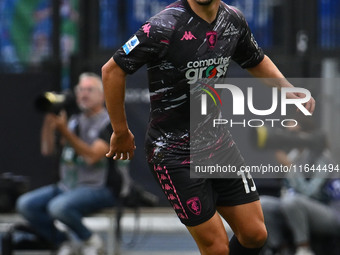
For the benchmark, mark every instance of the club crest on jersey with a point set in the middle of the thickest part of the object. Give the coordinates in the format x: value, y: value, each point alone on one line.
x: 194, y: 205
x: 211, y: 38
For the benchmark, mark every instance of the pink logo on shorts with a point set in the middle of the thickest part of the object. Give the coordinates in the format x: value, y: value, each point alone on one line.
x: 167, y: 187
x: 171, y: 197
x: 176, y: 206
x: 181, y: 216
x: 194, y: 205
x: 163, y: 177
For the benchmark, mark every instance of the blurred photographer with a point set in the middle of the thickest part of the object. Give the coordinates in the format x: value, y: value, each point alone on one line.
x: 82, y: 188
x: 309, y: 203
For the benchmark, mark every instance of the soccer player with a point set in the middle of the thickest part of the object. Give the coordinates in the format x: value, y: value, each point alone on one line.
x: 191, y: 40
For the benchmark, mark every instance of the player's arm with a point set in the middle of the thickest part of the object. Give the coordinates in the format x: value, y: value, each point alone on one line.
x: 122, y: 143
x: 267, y: 69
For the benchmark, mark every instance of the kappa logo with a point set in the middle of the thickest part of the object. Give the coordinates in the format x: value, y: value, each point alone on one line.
x: 230, y: 30
x: 194, y: 205
x: 188, y: 36
x: 146, y: 29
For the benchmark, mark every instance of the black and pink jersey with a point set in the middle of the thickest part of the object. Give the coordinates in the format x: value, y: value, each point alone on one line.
x: 180, y: 49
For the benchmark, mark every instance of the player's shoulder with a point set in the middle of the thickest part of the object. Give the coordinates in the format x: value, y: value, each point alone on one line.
x: 175, y: 9
x: 169, y: 16
x: 163, y: 24
x: 233, y: 11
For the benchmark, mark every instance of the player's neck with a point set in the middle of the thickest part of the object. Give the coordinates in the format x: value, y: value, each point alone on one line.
x: 206, y: 12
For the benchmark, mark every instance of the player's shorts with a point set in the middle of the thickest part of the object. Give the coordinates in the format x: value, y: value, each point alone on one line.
x: 195, y: 199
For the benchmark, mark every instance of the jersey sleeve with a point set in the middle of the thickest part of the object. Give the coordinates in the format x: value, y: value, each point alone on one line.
x: 148, y: 44
x: 248, y: 53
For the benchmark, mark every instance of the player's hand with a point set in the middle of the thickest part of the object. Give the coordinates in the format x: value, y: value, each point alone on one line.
x: 122, y: 146
x: 310, y: 105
